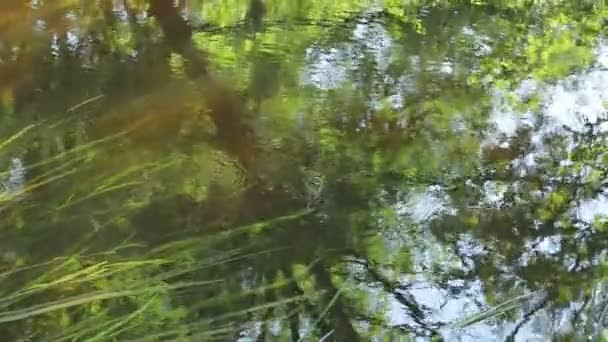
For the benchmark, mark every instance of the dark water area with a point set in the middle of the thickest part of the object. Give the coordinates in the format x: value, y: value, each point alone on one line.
x: 264, y: 170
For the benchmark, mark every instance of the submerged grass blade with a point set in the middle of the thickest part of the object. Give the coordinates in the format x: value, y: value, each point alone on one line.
x: 207, y: 264
x: 36, y: 310
x: 78, y: 149
x: 100, y: 270
x: 115, y: 328
x: 7, y: 197
x: 15, y: 297
x: 18, y: 135
x: 88, y: 274
x: 193, y: 330
x: 34, y: 266
x: 496, y: 311
x: 261, y: 307
x: 84, y: 103
x: 323, y: 313
x: 62, y: 166
x: 261, y: 289
x: 78, y: 276
x: 77, y: 331
x: 228, y: 233
x: 149, y: 167
x: 259, y: 226
x: 112, y: 184
x: 106, y: 254
x: 71, y: 202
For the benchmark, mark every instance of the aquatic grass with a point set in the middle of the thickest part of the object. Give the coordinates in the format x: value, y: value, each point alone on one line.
x: 54, y: 170
x: 72, y: 202
x: 8, y: 300
x: 242, y: 294
x: 260, y: 289
x: 258, y: 227
x: 498, y: 310
x: 112, y: 327
x: 197, y: 266
x: 11, y: 196
x: 69, y: 275
x: 73, y: 164
x: 202, y: 330
x: 36, y: 310
x: 69, y: 268
x: 112, y: 181
x: 111, y: 184
x: 18, y: 135
x: 149, y: 168
x: 257, y: 308
x: 100, y: 270
x: 77, y: 331
x: 185, y: 244
x: 88, y: 274
x: 104, y: 270
x: 74, y: 151
x: 76, y: 155
x: 84, y: 296
x: 117, y: 327
x: 178, y: 245
x: 114, y: 323
x: 323, y: 313
x: 252, y: 228
x: 34, y: 266
x: 196, y: 329
x: 72, y: 260
x: 85, y: 102
x: 65, y: 258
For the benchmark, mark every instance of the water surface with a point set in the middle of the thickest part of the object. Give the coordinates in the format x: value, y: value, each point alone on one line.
x: 303, y: 170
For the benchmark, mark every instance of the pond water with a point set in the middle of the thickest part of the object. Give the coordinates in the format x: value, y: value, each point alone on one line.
x: 265, y: 170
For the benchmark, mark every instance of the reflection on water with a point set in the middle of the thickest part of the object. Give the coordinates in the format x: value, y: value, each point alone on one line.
x: 294, y: 171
